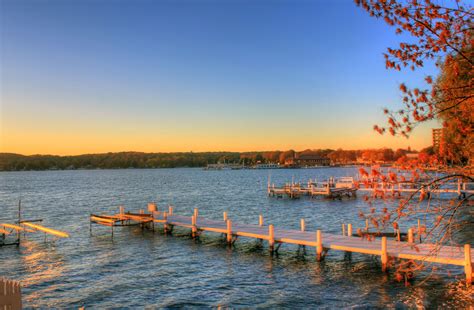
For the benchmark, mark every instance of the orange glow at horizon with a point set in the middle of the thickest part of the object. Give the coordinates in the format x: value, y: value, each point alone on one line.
x: 70, y: 142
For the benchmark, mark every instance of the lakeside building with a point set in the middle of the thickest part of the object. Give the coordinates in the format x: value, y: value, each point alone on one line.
x: 308, y: 160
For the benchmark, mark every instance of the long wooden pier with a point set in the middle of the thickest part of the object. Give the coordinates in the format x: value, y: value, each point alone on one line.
x: 323, y: 242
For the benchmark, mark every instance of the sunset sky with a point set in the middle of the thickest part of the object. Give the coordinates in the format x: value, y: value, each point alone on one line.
x: 162, y: 76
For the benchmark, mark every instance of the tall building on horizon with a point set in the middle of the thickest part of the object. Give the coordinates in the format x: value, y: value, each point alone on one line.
x: 437, y: 137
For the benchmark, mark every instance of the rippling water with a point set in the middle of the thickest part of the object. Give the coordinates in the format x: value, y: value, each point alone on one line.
x: 138, y: 269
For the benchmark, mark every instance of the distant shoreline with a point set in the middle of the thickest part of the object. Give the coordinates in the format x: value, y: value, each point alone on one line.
x: 183, y: 167
x: 212, y: 160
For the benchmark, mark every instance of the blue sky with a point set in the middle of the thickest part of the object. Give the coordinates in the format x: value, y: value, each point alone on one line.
x: 110, y: 75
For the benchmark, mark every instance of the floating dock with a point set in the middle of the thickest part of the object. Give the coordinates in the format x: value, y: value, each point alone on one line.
x: 323, y: 242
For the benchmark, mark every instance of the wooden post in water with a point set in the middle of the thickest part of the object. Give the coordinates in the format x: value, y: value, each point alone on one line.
x: 468, y: 264
x: 121, y: 210
x: 319, y: 245
x: 19, y: 223
x: 271, y: 237
x: 224, y: 215
x: 410, y: 235
x: 349, y: 230
x: 170, y: 210
x: 384, y: 255
x: 367, y: 225
x: 260, y: 220
x: 193, y: 223
x: 165, y: 225
x: 196, y: 212
x: 303, y: 225
x: 343, y: 229
x: 229, y: 231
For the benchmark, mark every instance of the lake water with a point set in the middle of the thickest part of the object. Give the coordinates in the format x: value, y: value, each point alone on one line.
x: 138, y: 269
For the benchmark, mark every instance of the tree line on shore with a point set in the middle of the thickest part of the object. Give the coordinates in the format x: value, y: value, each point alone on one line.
x: 123, y: 160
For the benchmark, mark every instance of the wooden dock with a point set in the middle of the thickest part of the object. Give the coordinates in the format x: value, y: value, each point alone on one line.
x: 296, y: 190
x: 25, y: 226
x: 348, y: 187
x: 323, y: 242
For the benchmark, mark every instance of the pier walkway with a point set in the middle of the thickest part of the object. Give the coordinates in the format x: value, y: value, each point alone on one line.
x: 275, y: 237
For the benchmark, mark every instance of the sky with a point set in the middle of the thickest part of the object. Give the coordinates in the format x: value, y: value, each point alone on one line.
x: 99, y: 76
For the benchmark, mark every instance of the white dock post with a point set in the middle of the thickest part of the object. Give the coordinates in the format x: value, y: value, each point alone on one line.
x: 468, y: 264
x: 302, y: 224
x: 410, y: 235
x: 121, y: 210
x: 384, y: 255
x: 196, y: 212
x: 319, y: 245
x: 343, y: 229
x: 271, y: 237
x: 170, y: 210
x: 349, y: 230
x: 151, y: 207
x: 260, y: 220
x: 224, y: 215
x: 229, y: 231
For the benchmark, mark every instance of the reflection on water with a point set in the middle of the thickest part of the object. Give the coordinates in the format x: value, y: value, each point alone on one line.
x: 138, y: 269
x: 42, y: 267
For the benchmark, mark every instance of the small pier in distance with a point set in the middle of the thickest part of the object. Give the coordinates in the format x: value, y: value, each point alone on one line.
x: 275, y: 237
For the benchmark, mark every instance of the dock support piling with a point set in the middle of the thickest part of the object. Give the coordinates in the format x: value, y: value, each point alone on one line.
x: 271, y: 237
x: 193, y: 223
x: 410, y: 235
x: 224, y: 215
x: 349, y: 230
x: 196, y: 212
x: 384, y: 255
x: 419, y: 231
x: 303, y: 225
x: 260, y: 220
x: 229, y: 231
x: 468, y: 264
x: 170, y: 210
x: 319, y: 245
x: 367, y: 225
x: 343, y: 229
x: 165, y: 224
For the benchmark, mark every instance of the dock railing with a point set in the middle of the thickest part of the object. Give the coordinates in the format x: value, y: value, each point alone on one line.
x: 10, y: 294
